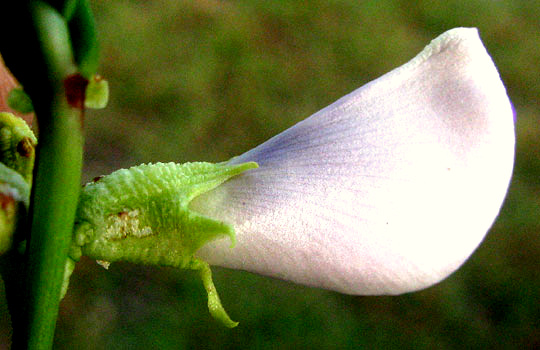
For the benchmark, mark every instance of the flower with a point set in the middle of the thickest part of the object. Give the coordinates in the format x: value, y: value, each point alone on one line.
x: 386, y: 191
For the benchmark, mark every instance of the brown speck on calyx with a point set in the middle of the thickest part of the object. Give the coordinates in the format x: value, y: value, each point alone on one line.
x: 25, y: 147
x: 75, y: 86
x: 97, y: 178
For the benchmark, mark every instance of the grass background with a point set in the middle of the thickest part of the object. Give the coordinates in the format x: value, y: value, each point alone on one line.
x: 209, y: 79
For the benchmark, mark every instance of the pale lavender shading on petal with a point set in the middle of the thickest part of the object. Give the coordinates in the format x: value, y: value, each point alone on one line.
x: 387, y: 190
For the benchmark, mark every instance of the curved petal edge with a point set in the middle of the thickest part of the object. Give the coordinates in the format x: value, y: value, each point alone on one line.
x: 388, y: 190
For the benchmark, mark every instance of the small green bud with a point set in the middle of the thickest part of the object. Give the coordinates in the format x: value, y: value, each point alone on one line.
x: 97, y: 93
x: 17, y: 145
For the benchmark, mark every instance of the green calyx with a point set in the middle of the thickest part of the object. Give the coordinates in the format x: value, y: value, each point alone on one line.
x: 142, y: 215
x: 17, y: 145
x: 138, y: 215
x: 17, y: 153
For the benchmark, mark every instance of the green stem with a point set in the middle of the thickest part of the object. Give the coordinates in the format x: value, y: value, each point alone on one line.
x: 56, y: 180
x: 57, y: 184
x: 45, y: 56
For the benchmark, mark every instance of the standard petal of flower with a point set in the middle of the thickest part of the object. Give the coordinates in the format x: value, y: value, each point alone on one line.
x: 388, y: 190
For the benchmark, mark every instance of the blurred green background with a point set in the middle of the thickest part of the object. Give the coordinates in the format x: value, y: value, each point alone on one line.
x: 209, y: 79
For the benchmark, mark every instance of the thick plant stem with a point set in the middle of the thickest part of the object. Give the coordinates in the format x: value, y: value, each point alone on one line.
x: 58, y: 97
x: 50, y: 47
x: 55, y: 195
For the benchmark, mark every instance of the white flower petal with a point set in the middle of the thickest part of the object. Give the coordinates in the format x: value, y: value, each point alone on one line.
x: 387, y: 190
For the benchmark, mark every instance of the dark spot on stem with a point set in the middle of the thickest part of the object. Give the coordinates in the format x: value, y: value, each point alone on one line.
x: 75, y: 86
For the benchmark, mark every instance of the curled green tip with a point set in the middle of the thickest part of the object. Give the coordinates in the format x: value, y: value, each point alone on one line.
x: 214, y: 303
